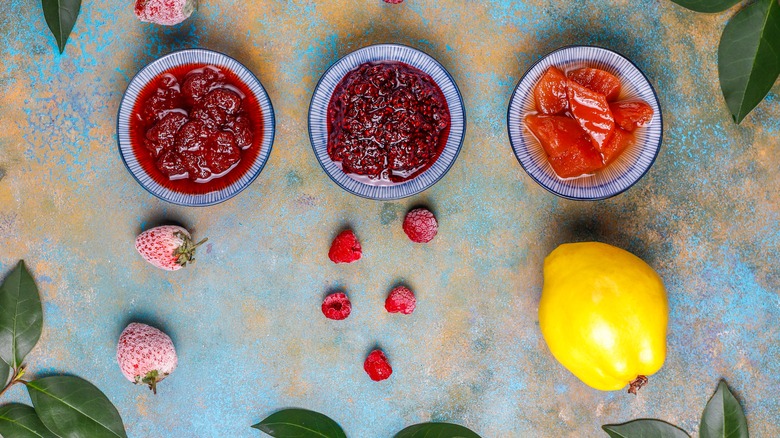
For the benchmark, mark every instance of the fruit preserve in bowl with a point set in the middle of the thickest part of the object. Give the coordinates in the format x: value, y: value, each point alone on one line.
x: 195, y: 127
x: 386, y: 122
x: 585, y: 123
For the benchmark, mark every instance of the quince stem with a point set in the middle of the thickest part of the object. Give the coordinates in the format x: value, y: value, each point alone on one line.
x: 637, y: 384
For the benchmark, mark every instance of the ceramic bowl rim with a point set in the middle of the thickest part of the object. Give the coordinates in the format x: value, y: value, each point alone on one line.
x: 435, y: 180
x: 650, y: 86
x: 263, y: 161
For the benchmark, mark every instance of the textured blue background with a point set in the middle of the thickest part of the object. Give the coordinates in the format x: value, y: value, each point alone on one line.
x: 245, y: 319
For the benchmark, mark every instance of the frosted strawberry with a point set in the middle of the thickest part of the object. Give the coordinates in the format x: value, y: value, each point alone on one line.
x: 167, y: 247
x: 145, y: 355
x: 165, y: 12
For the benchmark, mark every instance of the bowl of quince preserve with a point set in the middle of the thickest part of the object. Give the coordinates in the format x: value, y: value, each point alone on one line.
x: 195, y: 127
x: 386, y: 122
x: 585, y: 123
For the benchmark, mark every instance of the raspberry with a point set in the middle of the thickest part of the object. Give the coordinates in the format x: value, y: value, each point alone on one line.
x: 394, y: 2
x: 345, y: 248
x: 420, y: 225
x: 377, y: 367
x: 401, y: 300
x: 336, y: 306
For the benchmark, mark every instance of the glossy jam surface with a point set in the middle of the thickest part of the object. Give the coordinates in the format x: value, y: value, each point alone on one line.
x: 579, y: 122
x: 196, y: 128
x: 387, y: 122
x: 568, y: 147
x: 591, y: 110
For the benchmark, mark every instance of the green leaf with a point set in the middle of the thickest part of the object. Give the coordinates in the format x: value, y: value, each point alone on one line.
x: 74, y: 408
x: 61, y: 16
x: 644, y: 428
x: 436, y: 430
x: 723, y: 416
x: 21, y: 316
x: 21, y: 421
x: 707, y: 5
x: 300, y: 423
x: 749, y: 56
x: 5, y: 373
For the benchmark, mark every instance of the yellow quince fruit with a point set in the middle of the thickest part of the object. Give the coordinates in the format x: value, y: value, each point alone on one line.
x: 604, y: 314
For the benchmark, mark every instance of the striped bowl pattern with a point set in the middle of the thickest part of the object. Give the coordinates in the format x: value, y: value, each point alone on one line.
x: 175, y: 59
x: 318, y: 120
x: 632, y: 164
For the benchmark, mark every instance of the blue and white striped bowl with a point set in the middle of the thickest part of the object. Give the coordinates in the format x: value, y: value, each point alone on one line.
x: 632, y: 164
x: 171, y: 60
x: 318, y: 120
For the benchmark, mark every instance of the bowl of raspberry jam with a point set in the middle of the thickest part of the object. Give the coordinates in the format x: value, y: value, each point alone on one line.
x: 195, y: 127
x: 386, y: 122
x: 585, y: 123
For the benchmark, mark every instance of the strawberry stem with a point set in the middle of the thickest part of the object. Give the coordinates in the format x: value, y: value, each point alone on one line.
x: 151, y: 379
x: 186, y: 252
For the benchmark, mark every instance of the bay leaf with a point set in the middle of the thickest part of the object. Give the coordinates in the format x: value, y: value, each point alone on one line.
x: 707, y: 5
x: 749, y: 56
x: 644, y: 428
x: 71, y: 407
x: 21, y: 421
x: 5, y: 373
x: 300, y: 423
x: 436, y: 430
x: 21, y: 316
x: 723, y: 416
x: 61, y: 16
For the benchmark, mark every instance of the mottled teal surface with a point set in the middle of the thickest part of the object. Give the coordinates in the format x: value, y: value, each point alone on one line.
x: 245, y: 319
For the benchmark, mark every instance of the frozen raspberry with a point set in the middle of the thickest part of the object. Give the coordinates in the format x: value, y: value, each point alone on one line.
x: 401, y: 300
x: 165, y: 12
x: 376, y: 366
x: 394, y: 2
x: 420, y: 225
x: 345, y: 248
x: 336, y: 306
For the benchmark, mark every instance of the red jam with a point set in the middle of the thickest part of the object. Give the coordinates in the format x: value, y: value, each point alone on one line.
x: 387, y: 121
x: 196, y: 128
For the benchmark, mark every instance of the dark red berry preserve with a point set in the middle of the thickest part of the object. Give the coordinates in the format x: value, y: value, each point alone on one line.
x: 196, y: 128
x: 387, y: 121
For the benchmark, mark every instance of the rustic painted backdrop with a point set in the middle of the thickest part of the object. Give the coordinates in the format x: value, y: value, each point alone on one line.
x: 246, y: 320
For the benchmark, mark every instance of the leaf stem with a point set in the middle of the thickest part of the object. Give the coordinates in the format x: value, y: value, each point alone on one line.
x: 18, y: 373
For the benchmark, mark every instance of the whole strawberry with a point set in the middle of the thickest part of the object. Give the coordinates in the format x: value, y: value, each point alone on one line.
x: 165, y: 12
x: 167, y: 247
x: 145, y: 355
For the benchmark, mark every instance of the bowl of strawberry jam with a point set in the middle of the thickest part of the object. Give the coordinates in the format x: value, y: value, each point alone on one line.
x: 195, y: 127
x: 386, y: 122
x: 585, y: 123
